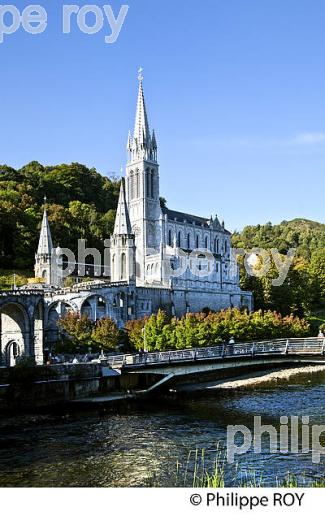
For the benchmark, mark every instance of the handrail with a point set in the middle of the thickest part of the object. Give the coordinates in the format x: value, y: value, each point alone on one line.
x: 303, y: 346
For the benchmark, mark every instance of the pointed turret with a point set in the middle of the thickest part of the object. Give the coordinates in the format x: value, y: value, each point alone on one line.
x: 216, y: 223
x: 122, y: 220
x: 45, y: 266
x: 122, y: 253
x: 45, y: 244
x: 154, y: 141
x: 130, y: 142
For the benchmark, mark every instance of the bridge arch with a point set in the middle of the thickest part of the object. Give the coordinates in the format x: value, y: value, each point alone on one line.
x: 15, y: 328
x: 55, y: 311
x: 94, y: 306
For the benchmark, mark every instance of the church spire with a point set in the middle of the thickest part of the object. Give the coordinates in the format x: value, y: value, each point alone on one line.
x: 122, y: 220
x: 141, y: 128
x: 45, y: 244
x: 142, y: 145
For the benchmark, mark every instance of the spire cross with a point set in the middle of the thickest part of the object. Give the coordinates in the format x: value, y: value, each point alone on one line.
x: 140, y: 75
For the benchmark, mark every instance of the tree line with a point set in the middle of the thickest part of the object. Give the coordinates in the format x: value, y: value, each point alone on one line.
x: 163, y: 332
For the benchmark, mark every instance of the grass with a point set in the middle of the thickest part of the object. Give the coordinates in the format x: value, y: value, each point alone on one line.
x: 197, y: 473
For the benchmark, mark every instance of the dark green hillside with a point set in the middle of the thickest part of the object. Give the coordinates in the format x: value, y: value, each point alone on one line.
x: 304, y: 235
x: 81, y: 204
x: 303, y: 291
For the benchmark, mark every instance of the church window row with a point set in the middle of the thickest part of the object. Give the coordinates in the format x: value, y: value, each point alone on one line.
x: 152, y: 269
x: 134, y: 184
x: 188, y: 242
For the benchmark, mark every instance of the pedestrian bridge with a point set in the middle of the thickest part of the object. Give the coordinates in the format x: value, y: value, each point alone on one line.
x: 240, y: 355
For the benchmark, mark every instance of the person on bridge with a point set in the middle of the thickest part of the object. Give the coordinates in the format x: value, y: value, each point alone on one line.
x: 321, y: 334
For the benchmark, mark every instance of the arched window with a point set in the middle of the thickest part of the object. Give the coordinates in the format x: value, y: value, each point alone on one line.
x: 147, y: 182
x: 206, y: 243
x: 137, y: 184
x: 113, y: 267
x: 152, y: 184
x: 197, y: 241
x: 179, y: 239
x: 170, y: 238
x: 216, y: 245
x: 123, y: 266
x: 131, y: 186
x: 201, y: 262
x: 189, y: 241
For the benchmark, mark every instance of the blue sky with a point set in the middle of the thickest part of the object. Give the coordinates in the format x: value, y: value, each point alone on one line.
x: 234, y: 89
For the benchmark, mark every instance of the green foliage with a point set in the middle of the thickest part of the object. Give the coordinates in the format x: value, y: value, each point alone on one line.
x: 7, y: 278
x: 77, y: 327
x: 304, y: 287
x: 81, y: 204
x: 135, y: 331
x: 105, y: 334
x: 202, y: 330
x: 317, y: 276
x: 82, y: 333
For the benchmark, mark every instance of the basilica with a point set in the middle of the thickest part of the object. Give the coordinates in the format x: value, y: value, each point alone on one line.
x: 158, y: 258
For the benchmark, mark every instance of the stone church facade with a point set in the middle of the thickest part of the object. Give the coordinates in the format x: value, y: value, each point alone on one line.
x: 159, y: 258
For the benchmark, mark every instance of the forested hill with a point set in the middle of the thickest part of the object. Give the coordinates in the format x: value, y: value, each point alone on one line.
x: 81, y: 204
x: 304, y: 235
x: 303, y: 290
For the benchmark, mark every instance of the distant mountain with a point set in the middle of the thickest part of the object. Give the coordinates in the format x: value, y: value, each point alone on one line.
x: 305, y: 235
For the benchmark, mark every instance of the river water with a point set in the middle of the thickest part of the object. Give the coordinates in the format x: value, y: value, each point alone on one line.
x: 154, y: 444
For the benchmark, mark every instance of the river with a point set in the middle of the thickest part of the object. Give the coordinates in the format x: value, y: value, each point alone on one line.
x: 143, y: 444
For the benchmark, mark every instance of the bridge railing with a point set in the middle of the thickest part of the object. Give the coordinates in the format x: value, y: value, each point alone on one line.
x: 308, y: 346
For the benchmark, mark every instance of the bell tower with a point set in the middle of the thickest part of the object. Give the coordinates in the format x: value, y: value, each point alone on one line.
x: 142, y: 184
x: 122, y: 249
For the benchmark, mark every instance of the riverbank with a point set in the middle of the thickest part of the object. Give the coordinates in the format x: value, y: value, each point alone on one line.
x: 257, y: 379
